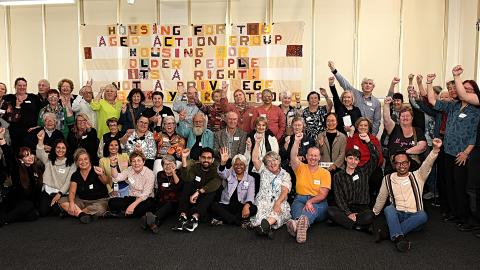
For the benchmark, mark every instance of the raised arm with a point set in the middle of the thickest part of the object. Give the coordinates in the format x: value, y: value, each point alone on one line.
x: 387, y: 119
x: 391, y: 90
x: 341, y: 80
x: 294, y: 160
x: 431, y: 95
x: 257, y: 163
x: 461, y: 92
x: 420, y: 86
x: 324, y: 93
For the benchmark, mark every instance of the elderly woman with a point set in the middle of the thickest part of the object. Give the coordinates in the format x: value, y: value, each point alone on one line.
x: 64, y: 114
x: 242, y: 108
x: 132, y: 110
x: 168, y: 143
x: 197, y: 136
x: 314, y: 115
x: 364, y: 126
x: 157, y: 112
x: 25, y: 172
x: 83, y: 135
x: 271, y: 200
x: 65, y: 86
x: 461, y: 139
x: 51, y: 133
x: 115, y: 133
x: 216, y: 111
x: 107, y: 107
x: 114, y: 160
x: 6, y: 108
x: 347, y: 113
x: 403, y: 136
x: 332, y: 145
x: 81, y: 104
x: 289, y: 111
x: 276, y: 118
x: 238, y: 194
x: 267, y: 143
x: 141, y: 182
x: 168, y: 189
x: 59, y: 168
x: 88, y: 195
x: 140, y: 139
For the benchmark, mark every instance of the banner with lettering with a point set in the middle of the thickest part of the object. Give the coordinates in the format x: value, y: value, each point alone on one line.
x: 251, y: 57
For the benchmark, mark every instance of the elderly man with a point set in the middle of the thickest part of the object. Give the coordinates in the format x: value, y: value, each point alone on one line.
x: 43, y: 88
x: 313, y: 185
x: 364, y: 100
x: 276, y: 118
x: 188, y: 108
x: 51, y: 133
x: 198, y: 136
x: 232, y: 137
x: 81, y: 104
x: 404, y: 189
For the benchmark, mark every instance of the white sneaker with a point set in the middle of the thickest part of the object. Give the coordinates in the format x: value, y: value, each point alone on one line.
x: 292, y: 227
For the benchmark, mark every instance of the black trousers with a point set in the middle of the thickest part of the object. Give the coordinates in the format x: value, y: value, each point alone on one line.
x: 442, y: 182
x: 365, y: 216
x: 456, y: 183
x: 473, y: 183
x: 231, y: 213
x: 121, y: 204
x: 44, y: 208
x: 18, y: 211
x: 166, y: 209
x: 374, y: 184
x: 203, y: 201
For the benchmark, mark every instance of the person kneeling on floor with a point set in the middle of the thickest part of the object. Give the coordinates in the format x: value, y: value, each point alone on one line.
x: 201, y: 181
x: 404, y: 189
x: 236, y: 203
x: 351, y: 189
x: 313, y: 185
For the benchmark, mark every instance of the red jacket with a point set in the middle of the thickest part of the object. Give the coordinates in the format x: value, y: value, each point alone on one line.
x: 363, y: 148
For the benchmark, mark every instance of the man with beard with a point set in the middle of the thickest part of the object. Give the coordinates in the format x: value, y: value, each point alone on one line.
x: 187, y: 108
x: 197, y: 136
x: 201, y: 181
x: 404, y: 189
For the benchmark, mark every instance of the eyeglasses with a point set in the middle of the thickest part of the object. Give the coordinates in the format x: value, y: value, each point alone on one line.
x: 402, y: 163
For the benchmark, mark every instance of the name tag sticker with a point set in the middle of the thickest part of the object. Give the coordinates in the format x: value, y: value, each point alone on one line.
x: 90, y: 186
x: 84, y: 136
x: 306, y: 143
x: 2, y: 111
x: 355, y: 177
x: 165, y: 184
x: 250, y: 114
x: 326, y: 164
x: 369, y: 103
x: 405, y: 182
x: 462, y: 115
x: 290, y: 113
x: 356, y: 147
x: 165, y: 139
x: 246, y: 184
x: 164, y: 115
x: 198, y: 178
x: 372, y: 109
x: 236, y: 138
x: 316, y: 182
x: 131, y: 181
x: 263, y: 115
x: 61, y: 170
x: 28, y: 101
x: 200, y: 144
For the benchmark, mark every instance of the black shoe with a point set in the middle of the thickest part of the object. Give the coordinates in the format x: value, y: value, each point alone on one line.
x: 264, y: 229
x: 401, y: 243
x: 151, y: 222
x: 452, y: 219
x: 111, y: 214
x: 85, y: 218
x: 467, y: 227
x: 477, y: 234
x: 191, y: 224
x: 180, y: 224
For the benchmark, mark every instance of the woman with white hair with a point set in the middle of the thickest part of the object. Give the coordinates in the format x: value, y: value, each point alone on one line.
x: 83, y: 135
x: 236, y: 202
x: 289, y: 111
x: 271, y: 200
x: 52, y: 134
x: 168, y: 143
x: 347, y: 113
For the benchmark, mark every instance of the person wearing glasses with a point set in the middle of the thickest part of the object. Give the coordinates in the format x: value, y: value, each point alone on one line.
x: 141, y: 139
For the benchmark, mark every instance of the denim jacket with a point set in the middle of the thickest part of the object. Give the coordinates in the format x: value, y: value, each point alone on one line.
x: 245, y: 188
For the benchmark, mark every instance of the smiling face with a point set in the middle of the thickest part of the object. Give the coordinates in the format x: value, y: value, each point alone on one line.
x: 49, y: 123
x: 136, y: 98
x: 267, y: 97
x: 261, y: 127
x: 452, y: 90
x: 83, y: 162
x: 88, y: 94
x: 137, y: 164
x: 297, y: 127
x: 82, y: 123
x: 239, y: 97
x: 347, y: 99
x: 110, y: 93
x: 239, y: 167
x: 216, y: 97
x: 232, y: 120
x: 169, y: 126
x: 286, y: 100
x: 65, y: 89
x: 273, y: 165
x: 27, y: 157
x: 313, y: 100
x: 113, y: 147
x: 397, y: 104
x: 21, y: 87
x: 142, y: 124
x: 402, y: 164
x: 469, y: 88
x: 313, y: 156
x: 352, y: 162
x: 60, y: 150
x: 157, y: 101
x: 363, y: 127
x: 206, y: 159
x: 113, y: 127
x: 52, y: 99
x: 331, y: 122
x: 43, y: 87
x: 367, y: 86
x: 406, y: 118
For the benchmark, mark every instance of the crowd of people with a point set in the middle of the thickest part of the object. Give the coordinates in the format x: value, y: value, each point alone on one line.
x: 256, y: 167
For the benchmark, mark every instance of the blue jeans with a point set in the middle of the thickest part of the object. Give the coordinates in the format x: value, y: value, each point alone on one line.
x: 401, y: 223
x: 298, y: 204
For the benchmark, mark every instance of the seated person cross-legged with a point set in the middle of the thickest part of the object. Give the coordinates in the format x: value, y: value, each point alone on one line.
x: 88, y: 195
x: 351, y: 189
x: 404, y: 189
x: 236, y: 203
x: 201, y: 181
x: 141, y: 181
x: 271, y: 200
x: 313, y: 184
x: 168, y: 188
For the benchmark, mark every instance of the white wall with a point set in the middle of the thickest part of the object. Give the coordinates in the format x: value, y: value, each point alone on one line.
x: 333, y: 23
